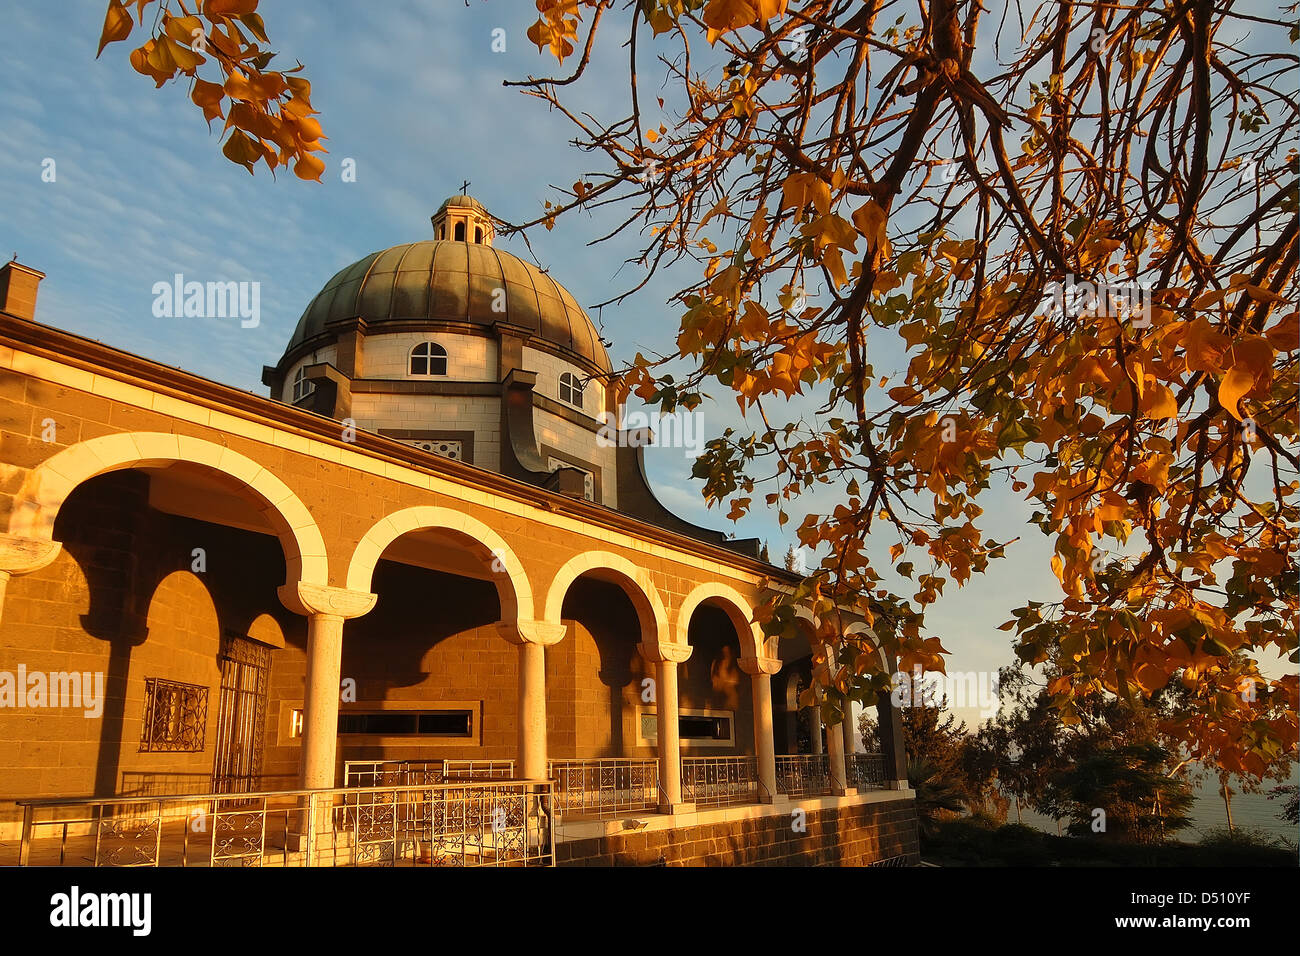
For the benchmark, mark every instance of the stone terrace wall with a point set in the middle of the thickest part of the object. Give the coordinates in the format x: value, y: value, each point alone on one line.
x: 835, y: 836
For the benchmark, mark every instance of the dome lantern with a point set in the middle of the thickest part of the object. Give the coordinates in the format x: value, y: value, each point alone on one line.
x: 462, y: 218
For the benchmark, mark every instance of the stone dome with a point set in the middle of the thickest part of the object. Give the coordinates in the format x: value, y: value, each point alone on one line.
x: 447, y: 284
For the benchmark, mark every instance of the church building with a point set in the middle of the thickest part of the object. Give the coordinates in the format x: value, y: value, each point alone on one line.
x: 419, y: 605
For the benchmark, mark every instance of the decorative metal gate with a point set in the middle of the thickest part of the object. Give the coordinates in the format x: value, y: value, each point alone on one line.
x: 241, y: 716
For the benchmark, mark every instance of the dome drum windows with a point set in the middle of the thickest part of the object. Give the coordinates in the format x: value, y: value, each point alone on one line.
x: 571, y: 389
x: 302, y: 386
x: 428, y: 358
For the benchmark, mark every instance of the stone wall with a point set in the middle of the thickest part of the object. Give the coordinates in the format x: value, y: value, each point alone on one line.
x: 849, y: 835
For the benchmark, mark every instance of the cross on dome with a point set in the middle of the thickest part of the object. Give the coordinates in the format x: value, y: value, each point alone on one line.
x: 462, y: 218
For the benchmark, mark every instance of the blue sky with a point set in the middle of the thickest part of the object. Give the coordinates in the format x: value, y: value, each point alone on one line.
x: 414, y: 95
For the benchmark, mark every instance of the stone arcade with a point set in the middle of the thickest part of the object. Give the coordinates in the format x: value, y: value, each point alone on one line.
x: 420, y: 509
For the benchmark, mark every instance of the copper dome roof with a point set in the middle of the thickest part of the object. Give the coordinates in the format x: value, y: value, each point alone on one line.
x: 446, y: 281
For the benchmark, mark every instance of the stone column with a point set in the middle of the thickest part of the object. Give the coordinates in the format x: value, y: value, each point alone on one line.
x: 835, y: 746
x: 326, y: 608
x: 892, y: 743
x: 666, y: 657
x: 760, y: 671
x: 815, y: 730
x: 533, y: 637
x: 20, y: 555
x: 834, y: 738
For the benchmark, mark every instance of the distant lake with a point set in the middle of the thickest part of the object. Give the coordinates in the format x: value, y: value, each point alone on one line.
x: 1252, y: 810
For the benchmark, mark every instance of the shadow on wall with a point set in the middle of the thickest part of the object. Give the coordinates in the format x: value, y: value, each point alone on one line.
x: 418, y: 611
x: 125, y: 551
x: 608, y: 672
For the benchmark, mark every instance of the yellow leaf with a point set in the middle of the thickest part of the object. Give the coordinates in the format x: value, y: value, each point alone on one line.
x: 724, y: 15
x: 1260, y: 294
x: 1159, y: 402
x: 1235, y: 384
x: 117, y: 25
x: 869, y: 219
x: 800, y: 189
x: 309, y: 167
x: 208, y: 96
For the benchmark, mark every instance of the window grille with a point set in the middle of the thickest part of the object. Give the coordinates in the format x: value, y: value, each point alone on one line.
x: 175, y: 717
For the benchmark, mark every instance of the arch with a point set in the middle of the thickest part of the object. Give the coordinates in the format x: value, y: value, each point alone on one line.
x: 427, y: 359
x: 571, y: 390
x: 728, y: 599
x: 38, y: 502
x: 860, y: 627
x: 634, y: 581
x: 515, y: 591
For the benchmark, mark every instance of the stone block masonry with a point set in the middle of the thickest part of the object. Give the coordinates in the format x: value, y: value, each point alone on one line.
x: 847, y: 834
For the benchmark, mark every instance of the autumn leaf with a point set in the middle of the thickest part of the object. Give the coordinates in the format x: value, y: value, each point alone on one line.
x: 309, y: 167
x: 1235, y: 384
x: 208, y: 96
x: 117, y: 25
x: 1159, y: 402
x: 870, y: 219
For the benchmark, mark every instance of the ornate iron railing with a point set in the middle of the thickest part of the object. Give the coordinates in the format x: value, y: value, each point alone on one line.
x: 478, y: 769
x: 478, y: 823
x: 720, y: 781
x: 865, y: 771
x: 407, y: 773
x: 803, y: 775
x: 605, y: 786
x: 392, y: 773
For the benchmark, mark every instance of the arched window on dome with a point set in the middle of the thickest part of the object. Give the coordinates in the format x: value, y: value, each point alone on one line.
x: 460, y: 232
x: 478, y: 234
x: 302, y: 386
x: 571, y: 389
x: 428, y: 358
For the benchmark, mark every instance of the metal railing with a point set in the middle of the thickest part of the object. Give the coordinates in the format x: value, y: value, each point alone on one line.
x: 865, y: 771
x: 605, y: 786
x: 721, y: 781
x: 803, y: 775
x: 478, y: 769
x: 391, y: 773
x: 479, y: 823
x: 403, y: 773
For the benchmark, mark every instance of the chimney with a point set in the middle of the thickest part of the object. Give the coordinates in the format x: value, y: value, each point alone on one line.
x: 18, y: 290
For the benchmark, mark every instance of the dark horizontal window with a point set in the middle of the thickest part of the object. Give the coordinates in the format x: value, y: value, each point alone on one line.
x: 409, y: 723
x: 693, y: 727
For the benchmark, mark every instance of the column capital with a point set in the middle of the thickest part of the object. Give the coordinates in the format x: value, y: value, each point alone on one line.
x: 308, y: 599
x: 753, y: 666
x: 532, y: 632
x: 21, y: 555
x: 664, y: 652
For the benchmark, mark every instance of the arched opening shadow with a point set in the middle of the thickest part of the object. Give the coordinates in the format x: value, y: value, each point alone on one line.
x: 711, y: 678
x: 598, y: 672
x: 120, y: 550
x: 431, y: 638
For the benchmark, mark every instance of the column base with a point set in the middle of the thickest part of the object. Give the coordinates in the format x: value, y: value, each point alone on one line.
x: 675, y: 808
